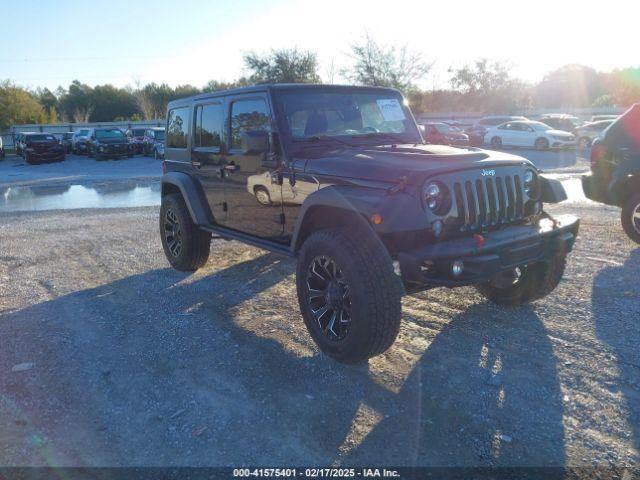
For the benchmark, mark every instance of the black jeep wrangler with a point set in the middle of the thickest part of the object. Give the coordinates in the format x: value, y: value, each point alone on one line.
x: 369, y: 210
x: 615, y: 170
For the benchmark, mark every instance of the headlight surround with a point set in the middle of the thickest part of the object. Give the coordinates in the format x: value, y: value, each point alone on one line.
x: 530, y: 183
x: 436, y: 197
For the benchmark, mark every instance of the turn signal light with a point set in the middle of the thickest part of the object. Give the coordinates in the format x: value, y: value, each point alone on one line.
x: 376, y: 219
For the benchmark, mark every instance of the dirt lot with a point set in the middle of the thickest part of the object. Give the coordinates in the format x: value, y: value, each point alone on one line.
x: 111, y: 358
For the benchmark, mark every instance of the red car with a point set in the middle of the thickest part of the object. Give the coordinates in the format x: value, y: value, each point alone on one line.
x: 443, y: 134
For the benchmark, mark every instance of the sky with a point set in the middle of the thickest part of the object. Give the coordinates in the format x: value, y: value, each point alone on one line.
x: 50, y: 43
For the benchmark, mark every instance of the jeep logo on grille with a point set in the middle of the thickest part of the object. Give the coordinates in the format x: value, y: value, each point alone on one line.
x: 488, y: 173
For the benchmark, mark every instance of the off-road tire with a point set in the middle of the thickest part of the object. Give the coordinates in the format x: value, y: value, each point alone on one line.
x: 537, y: 281
x: 195, y: 244
x: 375, y: 293
x: 631, y: 205
x: 541, y: 144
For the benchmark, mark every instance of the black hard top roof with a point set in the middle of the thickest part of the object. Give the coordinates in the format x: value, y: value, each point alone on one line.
x: 262, y: 87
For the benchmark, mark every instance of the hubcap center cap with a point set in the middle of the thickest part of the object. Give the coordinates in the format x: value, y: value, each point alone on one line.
x: 334, y: 295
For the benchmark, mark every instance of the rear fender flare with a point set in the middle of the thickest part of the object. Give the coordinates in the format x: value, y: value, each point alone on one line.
x: 191, y: 193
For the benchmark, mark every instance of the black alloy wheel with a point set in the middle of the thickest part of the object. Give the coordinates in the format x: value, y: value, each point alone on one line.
x: 172, y: 233
x: 329, y: 297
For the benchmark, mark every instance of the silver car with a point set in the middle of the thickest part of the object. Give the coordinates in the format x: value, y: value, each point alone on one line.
x: 588, y: 132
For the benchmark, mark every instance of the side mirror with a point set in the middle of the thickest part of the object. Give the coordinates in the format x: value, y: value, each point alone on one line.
x: 255, y: 142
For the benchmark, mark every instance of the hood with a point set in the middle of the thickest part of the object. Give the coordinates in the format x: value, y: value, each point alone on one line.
x: 560, y: 133
x: 407, y: 163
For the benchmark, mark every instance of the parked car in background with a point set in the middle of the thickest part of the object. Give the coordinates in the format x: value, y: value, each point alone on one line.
x: 597, y: 118
x: 67, y: 142
x: 528, y: 134
x: 79, y: 141
x: 153, y: 142
x: 588, y: 132
x: 559, y: 121
x: 41, y: 147
x: 109, y: 143
x: 615, y: 170
x: 440, y: 133
x: 136, y: 137
x: 477, y: 132
x: 1, y: 148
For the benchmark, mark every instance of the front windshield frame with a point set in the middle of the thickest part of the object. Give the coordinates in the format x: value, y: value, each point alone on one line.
x: 356, y: 139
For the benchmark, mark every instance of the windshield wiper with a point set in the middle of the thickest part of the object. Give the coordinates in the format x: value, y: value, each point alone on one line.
x: 322, y: 138
x: 395, y: 138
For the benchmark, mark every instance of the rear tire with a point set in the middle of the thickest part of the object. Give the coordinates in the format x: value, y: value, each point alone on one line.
x: 630, y: 217
x: 185, y: 245
x: 496, y: 142
x: 262, y: 196
x: 536, y: 281
x: 363, y: 297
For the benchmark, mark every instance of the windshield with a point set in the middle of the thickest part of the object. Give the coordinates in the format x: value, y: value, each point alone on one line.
x: 444, y: 128
x: 40, y: 138
x: 83, y: 133
x: 158, y: 135
x: 109, y: 133
x: 138, y: 132
x: 314, y: 113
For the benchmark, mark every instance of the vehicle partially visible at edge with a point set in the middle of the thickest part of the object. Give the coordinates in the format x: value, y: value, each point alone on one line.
x: 615, y: 170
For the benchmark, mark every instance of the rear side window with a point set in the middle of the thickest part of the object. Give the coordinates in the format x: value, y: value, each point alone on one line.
x: 177, y: 127
x: 208, y: 131
x: 248, y: 115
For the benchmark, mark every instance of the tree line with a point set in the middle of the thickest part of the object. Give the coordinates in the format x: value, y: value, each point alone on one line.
x: 484, y: 86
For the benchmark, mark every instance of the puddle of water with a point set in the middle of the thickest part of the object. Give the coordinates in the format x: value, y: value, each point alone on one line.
x: 132, y: 194
x: 65, y: 197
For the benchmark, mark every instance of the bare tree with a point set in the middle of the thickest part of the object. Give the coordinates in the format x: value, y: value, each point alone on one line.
x: 385, y: 66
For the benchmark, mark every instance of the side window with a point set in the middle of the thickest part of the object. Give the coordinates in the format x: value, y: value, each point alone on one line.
x: 208, y: 131
x: 177, y: 123
x: 247, y: 115
x: 506, y: 126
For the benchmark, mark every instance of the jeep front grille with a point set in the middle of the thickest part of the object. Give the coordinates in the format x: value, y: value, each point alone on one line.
x: 489, y: 201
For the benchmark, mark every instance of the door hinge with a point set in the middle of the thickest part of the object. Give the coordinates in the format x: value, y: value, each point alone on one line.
x: 224, y: 206
x: 279, y: 218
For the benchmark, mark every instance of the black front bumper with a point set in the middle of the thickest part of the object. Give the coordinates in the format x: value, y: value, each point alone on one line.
x: 503, y: 250
x: 594, y: 190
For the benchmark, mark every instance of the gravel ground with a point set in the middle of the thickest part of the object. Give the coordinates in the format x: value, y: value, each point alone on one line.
x: 110, y: 358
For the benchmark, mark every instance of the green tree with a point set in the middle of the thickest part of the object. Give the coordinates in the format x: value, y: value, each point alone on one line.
x: 283, y: 66
x: 487, y: 86
x: 18, y: 106
x: 376, y: 65
x: 77, y: 103
x: 110, y: 102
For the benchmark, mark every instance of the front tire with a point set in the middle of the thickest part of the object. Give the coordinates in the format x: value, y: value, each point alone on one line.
x: 496, y: 142
x: 526, y: 283
x: 630, y: 217
x: 349, y: 295
x: 541, y: 144
x: 185, y: 245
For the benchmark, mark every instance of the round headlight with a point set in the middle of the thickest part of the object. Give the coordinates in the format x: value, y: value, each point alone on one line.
x: 530, y: 183
x: 436, y: 197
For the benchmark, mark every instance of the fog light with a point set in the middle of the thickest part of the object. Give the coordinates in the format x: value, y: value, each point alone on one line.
x: 437, y: 227
x: 457, y: 267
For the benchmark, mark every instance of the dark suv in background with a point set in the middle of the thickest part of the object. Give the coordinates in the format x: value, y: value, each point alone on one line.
x: 41, y: 147
x: 355, y: 195
x: 615, y: 170
x: 153, y: 142
x: 109, y: 143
